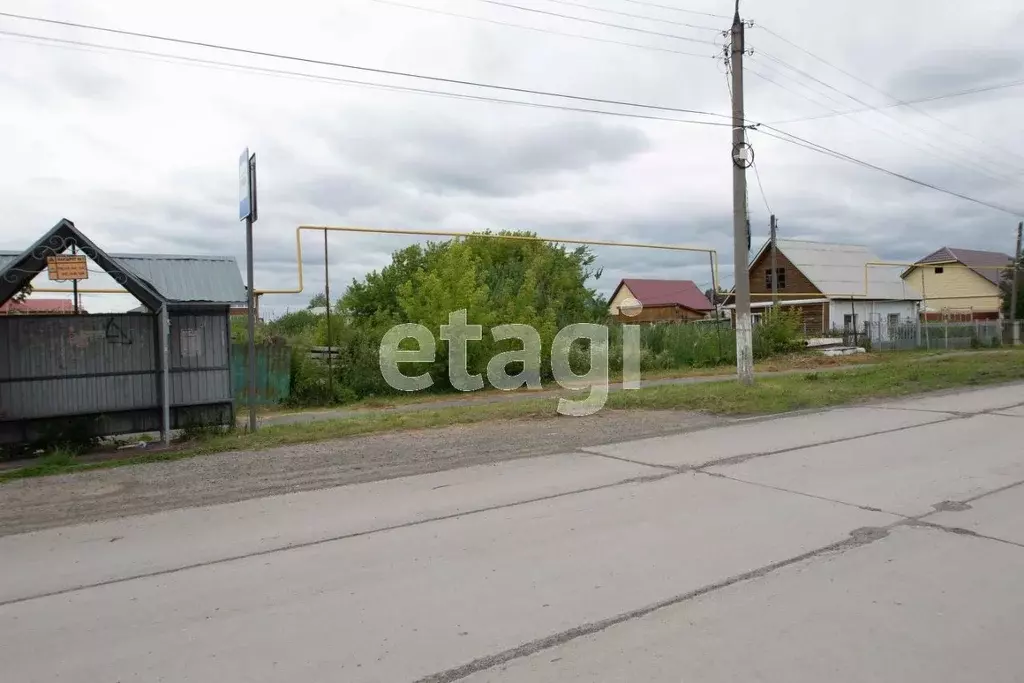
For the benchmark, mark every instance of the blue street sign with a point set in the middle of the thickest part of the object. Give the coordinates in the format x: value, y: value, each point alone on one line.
x: 244, y: 187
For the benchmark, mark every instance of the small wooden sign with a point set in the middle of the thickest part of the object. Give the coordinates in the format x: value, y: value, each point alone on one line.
x: 67, y: 267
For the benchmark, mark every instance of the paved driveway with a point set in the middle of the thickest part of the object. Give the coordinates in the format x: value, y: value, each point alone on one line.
x: 881, y: 543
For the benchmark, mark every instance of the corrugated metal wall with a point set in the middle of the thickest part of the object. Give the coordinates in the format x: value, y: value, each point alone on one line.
x: 200, y: 360
x: 76, y: 365
x: 92, y: 364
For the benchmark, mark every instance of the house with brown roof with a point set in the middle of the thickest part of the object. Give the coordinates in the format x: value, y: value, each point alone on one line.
x: 659, y: 301
x: 959, y: 283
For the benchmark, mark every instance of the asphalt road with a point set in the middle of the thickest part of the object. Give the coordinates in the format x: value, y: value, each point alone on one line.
x: 881, y: 543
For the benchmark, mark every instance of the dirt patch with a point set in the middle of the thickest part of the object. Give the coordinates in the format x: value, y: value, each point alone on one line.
x: 816, y: 361
x: 39, y: 503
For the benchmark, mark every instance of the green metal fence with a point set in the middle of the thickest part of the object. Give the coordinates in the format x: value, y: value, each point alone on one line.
x: 273, y: 373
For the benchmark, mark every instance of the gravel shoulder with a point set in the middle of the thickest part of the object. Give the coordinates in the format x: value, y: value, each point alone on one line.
x: 39, y: 503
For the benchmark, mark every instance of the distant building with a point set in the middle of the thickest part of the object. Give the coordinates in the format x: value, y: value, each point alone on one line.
x: 831, y: 287
x: 40, y: 307
x: 661, y: 301
x: 960, y: 283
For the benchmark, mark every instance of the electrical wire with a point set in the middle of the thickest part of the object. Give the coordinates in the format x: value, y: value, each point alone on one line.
x: 907, y: 103
x: 215, y: 64
x: 923, y: 137
x: 645, y: 17
x: 678, y: 9
x: 537, y: 29
x: 321, y: 62
x: 886, y: 94
x: 807, y: 144
x: 757, y: 174
x: 534, y: 10
x: 923, y: 145
x: 755, y: 72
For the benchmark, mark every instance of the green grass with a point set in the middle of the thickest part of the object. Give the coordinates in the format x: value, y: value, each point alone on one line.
x: 813, y: 389
x: 794, y: 361
x: 819, y: 389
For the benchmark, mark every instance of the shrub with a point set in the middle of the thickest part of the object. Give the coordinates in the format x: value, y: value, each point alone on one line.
x: 778, y: 332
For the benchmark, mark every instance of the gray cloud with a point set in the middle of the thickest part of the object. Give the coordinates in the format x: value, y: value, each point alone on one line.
x: 955, y: 70
x: 435, y: 156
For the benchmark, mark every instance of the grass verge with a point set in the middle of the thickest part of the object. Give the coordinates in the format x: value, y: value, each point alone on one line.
x: 785, y: 363
x: 815, y: 389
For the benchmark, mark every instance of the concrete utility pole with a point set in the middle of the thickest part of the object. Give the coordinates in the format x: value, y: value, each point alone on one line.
x: 775, y: 266
x: 1014, y: 278
x: 741, y: 246
x: 250, y: 217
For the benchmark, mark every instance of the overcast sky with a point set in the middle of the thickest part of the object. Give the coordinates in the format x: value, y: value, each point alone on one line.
x: 141, y: 153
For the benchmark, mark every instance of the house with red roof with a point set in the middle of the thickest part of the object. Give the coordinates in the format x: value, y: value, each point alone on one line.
x: 39, y: 307
x: 652, y: 301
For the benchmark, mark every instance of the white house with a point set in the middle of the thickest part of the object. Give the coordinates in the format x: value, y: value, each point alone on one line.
x: 832, y: 286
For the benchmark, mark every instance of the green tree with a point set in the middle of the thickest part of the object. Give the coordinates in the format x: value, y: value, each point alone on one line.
x: 497, y: 281
x: 318, y: 301
x: 375, y: 299
x: 294, y: 323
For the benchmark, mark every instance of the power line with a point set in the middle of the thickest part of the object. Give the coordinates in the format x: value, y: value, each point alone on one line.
x: 760, y: 75
x: 925, y: 139
x: 907, y: 103
x: 942, y: 153
x: 645, y: 17
x: 807, y: 144
x: 674, y: 36
x: 923, y: 145
x: 537, y: 29
x: 321, y: 62
x: 215, y: 64
x: 678, y: 9
x: 883, y: 92
x: 757, y: 174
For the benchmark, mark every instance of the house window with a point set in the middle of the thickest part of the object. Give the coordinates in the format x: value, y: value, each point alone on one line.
x: 756, y: 319
x: 894, y: 319
x: 780, y: 274
x: 939, y: 270
x: 849, y: 322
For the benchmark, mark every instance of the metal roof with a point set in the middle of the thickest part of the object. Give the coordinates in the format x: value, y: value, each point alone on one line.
x: 837, y: 270
x: 683, y: 293
x: 189, y: 279
x: 985, y: 263
x: 180, y: 279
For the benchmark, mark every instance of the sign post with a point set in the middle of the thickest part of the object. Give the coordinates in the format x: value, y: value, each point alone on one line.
x: 247, y: 212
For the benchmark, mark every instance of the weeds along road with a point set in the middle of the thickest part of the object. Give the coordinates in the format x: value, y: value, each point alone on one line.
x: 490, y: 397
x: 877, y: 542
